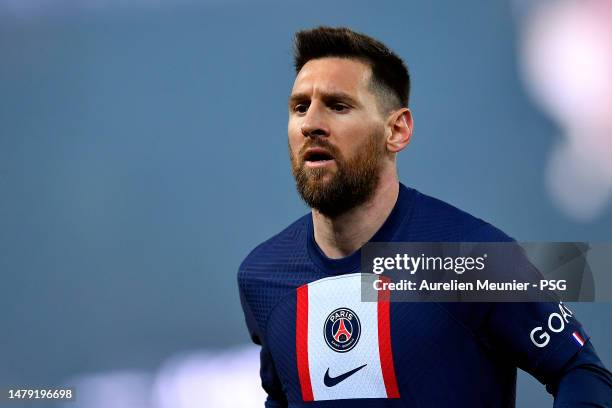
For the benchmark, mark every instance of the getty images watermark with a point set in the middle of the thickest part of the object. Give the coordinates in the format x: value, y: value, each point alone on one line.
x: 487, y: 272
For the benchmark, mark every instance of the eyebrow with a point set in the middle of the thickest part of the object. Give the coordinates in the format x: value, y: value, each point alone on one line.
x: 325, y: 96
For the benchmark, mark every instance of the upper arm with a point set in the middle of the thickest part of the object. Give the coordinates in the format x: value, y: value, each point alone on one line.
x: 538, y: 337
x: 270, y: 381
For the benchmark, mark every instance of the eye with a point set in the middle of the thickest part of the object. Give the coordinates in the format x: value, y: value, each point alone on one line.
x: 338, y: 107
x: 300, y: 108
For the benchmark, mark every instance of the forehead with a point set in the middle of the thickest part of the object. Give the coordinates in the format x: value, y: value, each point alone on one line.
x: 333, y: 74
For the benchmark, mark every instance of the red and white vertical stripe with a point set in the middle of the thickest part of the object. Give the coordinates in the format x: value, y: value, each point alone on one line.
x: 315, y: 301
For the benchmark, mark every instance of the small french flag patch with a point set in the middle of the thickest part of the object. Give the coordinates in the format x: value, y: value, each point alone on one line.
x: 578, y: 338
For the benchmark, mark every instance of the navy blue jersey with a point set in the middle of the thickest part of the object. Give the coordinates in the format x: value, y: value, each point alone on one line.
x: 323, y: 347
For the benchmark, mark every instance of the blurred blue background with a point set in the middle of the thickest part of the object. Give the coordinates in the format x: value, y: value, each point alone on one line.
x: 143, y: 154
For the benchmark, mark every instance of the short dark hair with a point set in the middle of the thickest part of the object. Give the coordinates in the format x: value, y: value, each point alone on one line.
x: 390, y: 79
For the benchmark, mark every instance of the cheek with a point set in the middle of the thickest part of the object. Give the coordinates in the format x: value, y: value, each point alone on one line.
x: 295, y: 138
x: 369, y: 140
x: 294, y: 146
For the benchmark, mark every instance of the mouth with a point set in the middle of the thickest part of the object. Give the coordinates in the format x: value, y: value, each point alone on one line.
x: 317, y: 157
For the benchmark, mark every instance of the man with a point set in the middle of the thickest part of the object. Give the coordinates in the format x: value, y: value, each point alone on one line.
x: 300, y: 290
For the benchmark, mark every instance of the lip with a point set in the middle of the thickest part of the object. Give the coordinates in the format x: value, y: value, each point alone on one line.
x: 319, y: 163
x: 316, y: 150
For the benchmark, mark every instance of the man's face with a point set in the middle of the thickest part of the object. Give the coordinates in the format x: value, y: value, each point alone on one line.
x: 336, y: 134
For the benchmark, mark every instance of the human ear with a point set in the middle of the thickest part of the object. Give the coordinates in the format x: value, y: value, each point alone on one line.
x: 401, y: 124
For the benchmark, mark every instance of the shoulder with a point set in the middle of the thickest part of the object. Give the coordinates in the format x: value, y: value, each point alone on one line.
x: 439, y: 219
x: 280, y: 247
x: 271, y: 270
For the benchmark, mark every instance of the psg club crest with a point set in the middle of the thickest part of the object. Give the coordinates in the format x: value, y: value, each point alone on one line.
x: 342, y: 330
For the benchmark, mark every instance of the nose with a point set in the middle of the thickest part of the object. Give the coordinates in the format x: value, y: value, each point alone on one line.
x: 314, y: 123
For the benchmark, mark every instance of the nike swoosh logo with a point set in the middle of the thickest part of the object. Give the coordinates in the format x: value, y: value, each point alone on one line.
x: 331, y: 381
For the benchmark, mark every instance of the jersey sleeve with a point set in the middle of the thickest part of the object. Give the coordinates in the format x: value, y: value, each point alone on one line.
x: 269, y: 378
x: 538, y: 337
x: 270, y: 381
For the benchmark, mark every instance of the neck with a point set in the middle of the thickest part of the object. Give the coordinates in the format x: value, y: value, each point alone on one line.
x: 342, y: 235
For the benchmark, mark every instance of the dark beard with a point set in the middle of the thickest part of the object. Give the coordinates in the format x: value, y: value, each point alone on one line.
x: 352, y: 185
